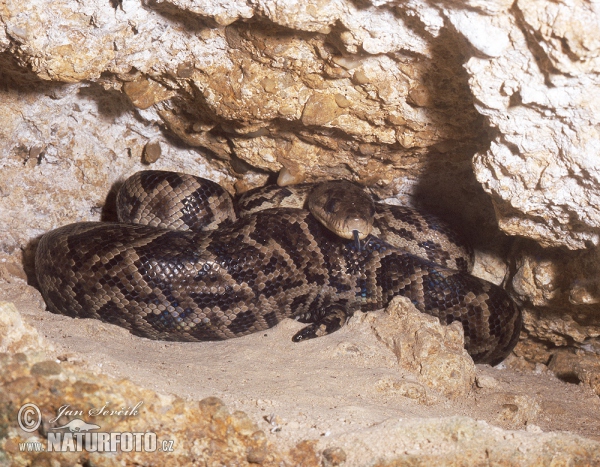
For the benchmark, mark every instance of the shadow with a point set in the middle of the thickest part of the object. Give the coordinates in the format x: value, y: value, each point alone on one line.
x: 28, y: 261
x: 110, y: 103
x: 188, y: 20
x: 447, y: 186
x: 16, y: 77
x: 108, y: 212
x: 449, y: 189
x: 569, y: 378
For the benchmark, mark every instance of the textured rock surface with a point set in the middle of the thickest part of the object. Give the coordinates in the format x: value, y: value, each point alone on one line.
x: 559, y: 295
x: 582, y: 368
x: 15, y: 335
x: 458, y: 441
x: 384, y: 82
x: 482, y: 111
x: 541, y: 93
x: 424, y: 347
x: 355, y: 93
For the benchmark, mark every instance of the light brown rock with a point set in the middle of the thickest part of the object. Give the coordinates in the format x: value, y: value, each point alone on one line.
x: 144, y: 93
x: 320, y: 109
x: 152, y: 152
x: 15, y: 335
x: 584, y: 368
x: 435, y: 353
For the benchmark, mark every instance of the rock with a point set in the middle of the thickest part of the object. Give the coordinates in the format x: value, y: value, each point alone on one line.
x: 543, y: 183
x: 565, y: 31
x: 152, y: 152
x: 490, y: 267
x: 12, y: 271
x: 435, y: 353
x: 561, y: 329
x: 515, y: 411
x: 460, y: 441
x: 405, y: 388
x: 379, y: 117
x: 201, y: 432
x: 533, y: 351
x: 485, y: 381
x: 144, y: 93
x: 209, y: 431
x: 584, y: 368
x: 333, y: 456
x: 17, y: 336
x: 46, y: 368
x: 280, y: 79
x: 320, y: 109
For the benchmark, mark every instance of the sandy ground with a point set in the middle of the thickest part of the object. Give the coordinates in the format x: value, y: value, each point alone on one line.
x: 323, y: 388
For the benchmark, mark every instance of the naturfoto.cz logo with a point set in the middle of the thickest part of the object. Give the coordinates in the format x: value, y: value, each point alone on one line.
x: 79, y: 435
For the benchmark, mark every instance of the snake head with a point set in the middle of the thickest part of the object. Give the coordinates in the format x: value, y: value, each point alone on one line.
x: 344, y: 208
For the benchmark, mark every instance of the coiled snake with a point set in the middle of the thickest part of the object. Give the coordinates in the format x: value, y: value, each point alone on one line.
x: 180, y: 266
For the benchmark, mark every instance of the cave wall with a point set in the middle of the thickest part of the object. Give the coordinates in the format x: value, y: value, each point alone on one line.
x: 485, y: 112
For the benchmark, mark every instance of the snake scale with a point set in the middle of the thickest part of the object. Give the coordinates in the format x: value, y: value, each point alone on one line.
x: 181, y: 265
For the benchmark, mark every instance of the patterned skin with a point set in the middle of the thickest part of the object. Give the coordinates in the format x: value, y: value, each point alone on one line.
x: 250, y: 273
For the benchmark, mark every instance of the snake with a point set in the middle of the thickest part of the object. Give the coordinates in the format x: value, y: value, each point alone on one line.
x: 185, y: 262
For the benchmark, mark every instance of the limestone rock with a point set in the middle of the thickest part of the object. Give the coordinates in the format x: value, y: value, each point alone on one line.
x: 584, y: 368
x: 548, y: 277
x: 486, y: 381
x: 389, y: 76
x: 456, y: 441
x: 514, y: 411
x: 17, y: 336
x: 207, y: 430
x: 57, y: 148
x: 565, y: 30
x: 540, y: 167
x: 559, y: 294
x: 562, y: 329
x: 424, y: 346
x: 491, y: 267
x: 144, y: 93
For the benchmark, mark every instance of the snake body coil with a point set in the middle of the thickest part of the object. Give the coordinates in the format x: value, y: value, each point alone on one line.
x: 171, y: 280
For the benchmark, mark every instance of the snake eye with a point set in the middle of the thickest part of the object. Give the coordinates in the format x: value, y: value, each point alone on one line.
x: 331, y: 206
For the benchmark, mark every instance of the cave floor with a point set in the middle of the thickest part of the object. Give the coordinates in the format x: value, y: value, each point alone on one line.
x: 321, y: 388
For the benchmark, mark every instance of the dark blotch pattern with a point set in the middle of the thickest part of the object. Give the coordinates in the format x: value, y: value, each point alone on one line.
x: 161, y: 276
